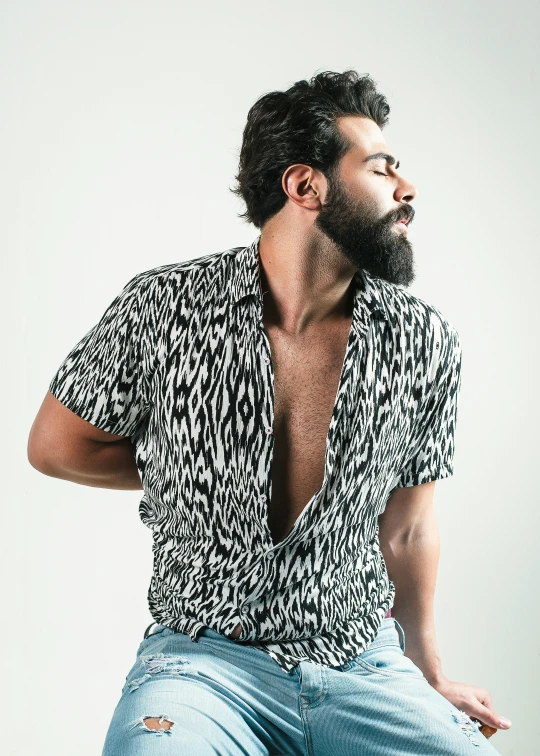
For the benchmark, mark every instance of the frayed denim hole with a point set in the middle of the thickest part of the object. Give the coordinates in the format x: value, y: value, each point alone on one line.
x: 160, y: 730
x: 468, y: 727
x: 150, y: 665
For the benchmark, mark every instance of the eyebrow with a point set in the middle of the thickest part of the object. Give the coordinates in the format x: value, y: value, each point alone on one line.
x: 390, y: 159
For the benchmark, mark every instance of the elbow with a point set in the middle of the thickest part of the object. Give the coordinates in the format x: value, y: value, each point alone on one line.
x: 40, y: 463
x: 411, y: 539
x: 33, y: 454
x: 38, y: 451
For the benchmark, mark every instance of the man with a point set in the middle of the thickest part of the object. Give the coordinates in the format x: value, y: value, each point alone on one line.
x: 287, y: 408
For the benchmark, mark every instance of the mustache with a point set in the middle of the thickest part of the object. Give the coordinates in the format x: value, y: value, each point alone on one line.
x: 406, y: 213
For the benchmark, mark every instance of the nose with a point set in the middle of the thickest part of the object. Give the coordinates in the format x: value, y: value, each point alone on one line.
x: 405, y: 191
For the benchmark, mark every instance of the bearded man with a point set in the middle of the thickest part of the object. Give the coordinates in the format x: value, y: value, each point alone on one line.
x: 286, y: 407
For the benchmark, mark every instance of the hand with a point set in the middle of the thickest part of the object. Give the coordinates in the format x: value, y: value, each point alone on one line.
x: 474, y: 702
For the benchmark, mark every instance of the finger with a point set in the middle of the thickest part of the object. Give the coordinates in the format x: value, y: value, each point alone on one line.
x: 489, y: 717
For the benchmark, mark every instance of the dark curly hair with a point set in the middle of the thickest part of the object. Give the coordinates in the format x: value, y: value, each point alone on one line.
x: 299, y: 126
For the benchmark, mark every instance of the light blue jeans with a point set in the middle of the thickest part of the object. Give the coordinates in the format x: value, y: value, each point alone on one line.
x: 215, y: 696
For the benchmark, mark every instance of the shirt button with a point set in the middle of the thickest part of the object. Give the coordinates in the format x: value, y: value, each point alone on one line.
x: 270, y: 555
x: 244, y: 610
x: 262, y: 497
x: 266, y: 360
x: 269, y: 431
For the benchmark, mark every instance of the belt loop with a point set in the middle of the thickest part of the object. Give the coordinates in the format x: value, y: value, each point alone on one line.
x: 402, y: 631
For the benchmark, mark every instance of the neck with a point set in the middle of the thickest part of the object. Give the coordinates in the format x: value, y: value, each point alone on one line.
x: 306, y: 281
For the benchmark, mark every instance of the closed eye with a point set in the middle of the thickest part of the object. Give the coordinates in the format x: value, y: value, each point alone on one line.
x: 381, y: 174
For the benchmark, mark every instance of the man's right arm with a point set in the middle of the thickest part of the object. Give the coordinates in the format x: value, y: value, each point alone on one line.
x: 63, y: 445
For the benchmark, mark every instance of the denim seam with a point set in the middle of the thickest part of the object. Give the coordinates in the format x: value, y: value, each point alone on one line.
x: 307, y: 731
x: 382, y: 644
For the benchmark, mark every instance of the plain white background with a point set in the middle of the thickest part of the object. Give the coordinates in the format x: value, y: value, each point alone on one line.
x: 121, y: 125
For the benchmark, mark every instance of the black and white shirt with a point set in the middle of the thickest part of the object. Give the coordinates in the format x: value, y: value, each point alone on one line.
x: 180, y: 362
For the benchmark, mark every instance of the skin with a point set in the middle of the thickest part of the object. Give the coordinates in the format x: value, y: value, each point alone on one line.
x: 309, y: 254
x: 63, y: 445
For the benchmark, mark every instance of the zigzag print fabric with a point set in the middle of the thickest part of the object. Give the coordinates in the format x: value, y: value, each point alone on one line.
x: 177, y: 364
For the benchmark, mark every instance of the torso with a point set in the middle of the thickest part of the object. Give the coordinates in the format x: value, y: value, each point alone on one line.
x: 307, y: 370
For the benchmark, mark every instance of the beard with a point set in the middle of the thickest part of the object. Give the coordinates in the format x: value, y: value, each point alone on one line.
x: 368, y: 241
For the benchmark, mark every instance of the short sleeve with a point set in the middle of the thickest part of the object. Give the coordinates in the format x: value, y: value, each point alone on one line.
x: 434, y: 442
x: 102, y: 378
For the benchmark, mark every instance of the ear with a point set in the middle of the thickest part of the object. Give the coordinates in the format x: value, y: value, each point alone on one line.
x: 305, y: 186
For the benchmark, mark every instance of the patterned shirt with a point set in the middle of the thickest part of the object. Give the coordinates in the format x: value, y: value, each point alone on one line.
x: 180, y: 362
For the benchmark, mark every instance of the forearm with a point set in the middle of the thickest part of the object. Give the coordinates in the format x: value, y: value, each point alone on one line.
x: 98, y: 464
x: 412, y: 562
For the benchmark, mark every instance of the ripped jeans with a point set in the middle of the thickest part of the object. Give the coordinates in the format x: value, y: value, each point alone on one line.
x: 214, y: 696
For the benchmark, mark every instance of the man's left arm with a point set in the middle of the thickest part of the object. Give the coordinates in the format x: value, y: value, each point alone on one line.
x: 409, y: 541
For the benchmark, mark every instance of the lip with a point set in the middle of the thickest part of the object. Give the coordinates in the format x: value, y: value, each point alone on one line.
x: 401, y: 223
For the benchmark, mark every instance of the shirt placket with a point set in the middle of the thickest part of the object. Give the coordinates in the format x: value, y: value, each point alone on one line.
x: 264, y: 480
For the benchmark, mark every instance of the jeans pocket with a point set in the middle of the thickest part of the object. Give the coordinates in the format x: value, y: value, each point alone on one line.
x: 386, y: 661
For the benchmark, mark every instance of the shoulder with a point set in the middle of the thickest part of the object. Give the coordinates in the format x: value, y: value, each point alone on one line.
x: 409, y: 312
x: 214, y: 265
x: 186, y: 284
x: 425, y: 334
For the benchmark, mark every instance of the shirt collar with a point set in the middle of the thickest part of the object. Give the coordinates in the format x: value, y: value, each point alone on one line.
x: 245, y: 282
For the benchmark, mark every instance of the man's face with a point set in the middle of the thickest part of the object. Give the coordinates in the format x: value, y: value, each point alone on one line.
x: 365, y: 200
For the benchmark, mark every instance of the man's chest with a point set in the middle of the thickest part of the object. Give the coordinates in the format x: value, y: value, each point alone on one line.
x: 244, y: 419
x: 306, y: 373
